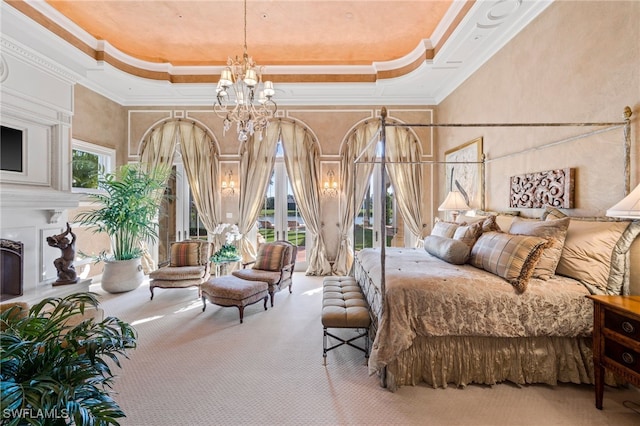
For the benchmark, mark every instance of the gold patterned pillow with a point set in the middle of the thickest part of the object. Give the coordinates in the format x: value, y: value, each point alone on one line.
x: 555, y: 231
x: 468, y: 234
x: 444, y: 229
x: 189, y: 253
x: 596, y: 252
x: 270, y: 257
x: 512, y: 257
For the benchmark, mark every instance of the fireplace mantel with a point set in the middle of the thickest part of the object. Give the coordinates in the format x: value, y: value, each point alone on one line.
x: 54, y: 202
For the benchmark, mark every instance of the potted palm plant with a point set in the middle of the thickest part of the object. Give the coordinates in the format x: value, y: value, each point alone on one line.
x: 126, y: 210
x: 56, y: 360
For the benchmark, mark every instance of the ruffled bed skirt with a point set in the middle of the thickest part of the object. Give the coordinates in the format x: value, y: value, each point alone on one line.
x: 461, y: 360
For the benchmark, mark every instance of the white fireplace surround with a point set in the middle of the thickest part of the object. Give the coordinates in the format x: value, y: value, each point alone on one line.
x: 37, y: 98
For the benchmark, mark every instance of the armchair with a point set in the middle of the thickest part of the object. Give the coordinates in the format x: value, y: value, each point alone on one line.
x: 274, y: 265
x: 188, y: 266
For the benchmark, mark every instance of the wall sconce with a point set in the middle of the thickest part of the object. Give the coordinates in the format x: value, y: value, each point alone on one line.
x: 228, y: 185
x: 330, y: 188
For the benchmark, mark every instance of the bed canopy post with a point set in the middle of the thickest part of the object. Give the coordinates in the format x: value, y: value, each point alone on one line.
x: 383, y: 201
x: 627, y: 149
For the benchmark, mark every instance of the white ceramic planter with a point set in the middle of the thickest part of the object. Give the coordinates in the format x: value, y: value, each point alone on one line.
x: 122, y: 275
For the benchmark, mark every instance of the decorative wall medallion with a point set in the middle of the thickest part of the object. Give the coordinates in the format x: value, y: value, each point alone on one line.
x: 549, y: 188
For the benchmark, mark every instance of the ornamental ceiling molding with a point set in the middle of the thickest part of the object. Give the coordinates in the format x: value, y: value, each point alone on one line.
x: 103, y: 51
x: 24, y: 54
x: 425, y: 76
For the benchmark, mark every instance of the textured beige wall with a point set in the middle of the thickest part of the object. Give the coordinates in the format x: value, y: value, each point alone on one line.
x: 100, y: 121
x: 578, y: 61
x: 103, y: 122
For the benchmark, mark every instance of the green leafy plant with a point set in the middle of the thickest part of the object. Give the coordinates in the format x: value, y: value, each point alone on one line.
x: 55, y: 370
x: 127, y: 208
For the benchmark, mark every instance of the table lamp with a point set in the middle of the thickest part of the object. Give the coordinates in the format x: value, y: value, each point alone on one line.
x: 628, y: 207
x: 454, y: 203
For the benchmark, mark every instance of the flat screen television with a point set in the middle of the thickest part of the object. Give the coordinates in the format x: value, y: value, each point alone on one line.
x: 11, y: 155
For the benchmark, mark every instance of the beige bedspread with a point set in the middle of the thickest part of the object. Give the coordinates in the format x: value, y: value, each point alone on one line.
x: 429, y: 297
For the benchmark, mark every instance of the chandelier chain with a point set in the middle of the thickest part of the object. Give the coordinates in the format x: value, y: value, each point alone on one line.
x: 242, y: 78
x: 245, y: 27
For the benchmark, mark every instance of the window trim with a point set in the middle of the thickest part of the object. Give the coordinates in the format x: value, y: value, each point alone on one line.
x: 106, y: 159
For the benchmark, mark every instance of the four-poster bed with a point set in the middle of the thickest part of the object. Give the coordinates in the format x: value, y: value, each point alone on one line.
x: 438, y: 322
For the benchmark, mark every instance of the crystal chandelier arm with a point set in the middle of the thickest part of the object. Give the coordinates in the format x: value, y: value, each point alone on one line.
x: 243, y: 77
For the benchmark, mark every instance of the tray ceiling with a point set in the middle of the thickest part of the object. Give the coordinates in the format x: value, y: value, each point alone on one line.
x: 151, y: 52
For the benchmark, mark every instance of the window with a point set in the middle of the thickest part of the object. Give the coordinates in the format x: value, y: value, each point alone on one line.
x: 88, y: 162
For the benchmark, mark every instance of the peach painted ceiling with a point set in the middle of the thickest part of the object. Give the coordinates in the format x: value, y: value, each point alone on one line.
x: 331, y: 52
x: 279, y: 32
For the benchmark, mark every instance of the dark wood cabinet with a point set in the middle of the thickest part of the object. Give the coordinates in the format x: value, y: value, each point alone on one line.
x: 616, y: 339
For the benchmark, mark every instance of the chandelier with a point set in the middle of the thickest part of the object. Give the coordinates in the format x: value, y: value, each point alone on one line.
x: 251, y: 106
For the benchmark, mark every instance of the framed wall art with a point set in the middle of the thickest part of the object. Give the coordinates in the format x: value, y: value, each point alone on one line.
x: 464, y: 172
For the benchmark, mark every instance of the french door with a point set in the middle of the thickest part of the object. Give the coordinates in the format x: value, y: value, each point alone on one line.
x: 280, y: 218
x: 178, y: 217
x: 370, y: 216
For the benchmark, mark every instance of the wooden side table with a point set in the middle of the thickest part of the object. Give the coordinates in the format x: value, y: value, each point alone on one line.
x: 616, y: 339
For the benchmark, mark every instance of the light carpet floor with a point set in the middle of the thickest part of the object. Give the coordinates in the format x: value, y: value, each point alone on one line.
x: 205, y: 368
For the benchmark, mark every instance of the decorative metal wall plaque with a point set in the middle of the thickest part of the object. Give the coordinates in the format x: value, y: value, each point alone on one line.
x: 549, y: 188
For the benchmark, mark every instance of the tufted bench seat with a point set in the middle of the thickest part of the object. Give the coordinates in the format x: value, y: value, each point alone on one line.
x: 233, y: 291
x: 344, y: 306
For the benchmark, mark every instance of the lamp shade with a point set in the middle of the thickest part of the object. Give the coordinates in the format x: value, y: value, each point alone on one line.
x: 454, y: 201
x: 629, y: 207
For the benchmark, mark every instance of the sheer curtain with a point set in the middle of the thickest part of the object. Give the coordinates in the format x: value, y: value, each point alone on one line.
x: 301, y: 159
x: 403, y: 153
x: 159, y: 147
x: 156, y: 152
x: 354, y: 182
x: 202, y: 164
x: 256, y: 164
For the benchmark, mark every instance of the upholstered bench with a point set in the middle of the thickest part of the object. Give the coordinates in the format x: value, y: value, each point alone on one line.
x: 344, y: 306
x: 233, y: 291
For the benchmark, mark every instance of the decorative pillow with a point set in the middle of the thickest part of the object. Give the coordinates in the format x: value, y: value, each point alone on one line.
x: 512, y: 257
x: 288, y: 251
x: 551, y: 213
x: 463, y: 218
x: 619, y: 275
x: 510, y: 213
x: 447, y: 249
x: 189, y: 253
x: 468, y: 234
x: 444, y: 229
x: 503, y: 222
x: 270, y: 256
x: 554, y: 231
x: 596, y: 253
x: 488, y: 222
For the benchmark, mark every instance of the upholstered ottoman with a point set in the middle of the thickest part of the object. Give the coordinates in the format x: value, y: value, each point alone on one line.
x: 233, y: 291
x: 344, y: 306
